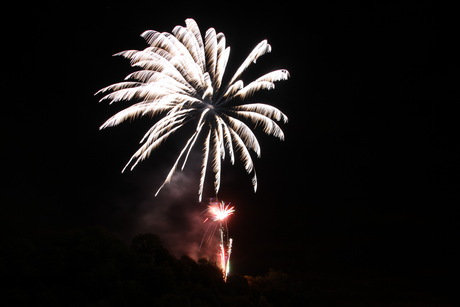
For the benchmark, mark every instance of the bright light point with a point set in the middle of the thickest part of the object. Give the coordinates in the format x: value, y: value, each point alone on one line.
x: 220, y: 211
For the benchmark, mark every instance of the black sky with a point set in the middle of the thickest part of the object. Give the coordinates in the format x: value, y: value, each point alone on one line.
x: 366, y: 182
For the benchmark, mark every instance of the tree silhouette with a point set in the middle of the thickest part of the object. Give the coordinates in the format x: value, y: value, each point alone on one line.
x: 90, y: 267
x: 150, y: 249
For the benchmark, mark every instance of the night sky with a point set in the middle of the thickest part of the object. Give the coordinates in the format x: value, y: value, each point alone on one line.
x: 366, y: 183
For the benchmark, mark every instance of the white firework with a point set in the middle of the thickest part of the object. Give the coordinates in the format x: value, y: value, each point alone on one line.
x: 181, y: 78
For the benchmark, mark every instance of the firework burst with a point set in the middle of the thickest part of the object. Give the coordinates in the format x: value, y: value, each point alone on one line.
x: 181, y: 79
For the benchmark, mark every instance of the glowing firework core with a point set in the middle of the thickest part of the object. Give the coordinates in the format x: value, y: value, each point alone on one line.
x: 220, y: 211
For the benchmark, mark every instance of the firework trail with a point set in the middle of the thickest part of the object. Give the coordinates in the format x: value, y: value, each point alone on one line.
x: 181, y: 80
x: 219, y: 212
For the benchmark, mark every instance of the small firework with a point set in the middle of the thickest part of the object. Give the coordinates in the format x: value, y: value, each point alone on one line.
x: 219, y: 212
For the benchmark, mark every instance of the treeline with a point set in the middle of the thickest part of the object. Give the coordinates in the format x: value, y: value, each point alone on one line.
x: 89, y: 267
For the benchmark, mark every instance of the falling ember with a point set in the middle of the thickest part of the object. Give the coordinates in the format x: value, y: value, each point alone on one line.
x: 219, y: 212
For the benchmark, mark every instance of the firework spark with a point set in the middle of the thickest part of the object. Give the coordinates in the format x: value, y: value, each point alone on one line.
x: 181, y: 78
